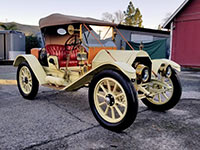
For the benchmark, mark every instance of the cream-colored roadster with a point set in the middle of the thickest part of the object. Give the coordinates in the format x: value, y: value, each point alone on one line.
x: 76, y: 55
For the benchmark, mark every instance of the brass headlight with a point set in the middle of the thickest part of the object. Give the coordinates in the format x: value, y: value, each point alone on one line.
x: 145, y: 75
x: 142, y: 72
x: 166, y: 70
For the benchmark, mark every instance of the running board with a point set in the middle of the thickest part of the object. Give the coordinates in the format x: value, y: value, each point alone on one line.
x: 53, y: 86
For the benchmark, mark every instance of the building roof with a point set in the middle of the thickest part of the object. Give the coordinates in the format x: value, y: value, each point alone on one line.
x: 10, y: 31
x: 167, y: 23
x: 125, y: 27
x: 60, y: 19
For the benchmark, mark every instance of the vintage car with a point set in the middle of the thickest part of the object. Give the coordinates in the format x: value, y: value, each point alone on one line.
x: 116, y: 78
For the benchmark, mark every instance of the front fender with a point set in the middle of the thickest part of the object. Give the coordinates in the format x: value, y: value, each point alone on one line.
x: 34, y: 64
x: 156, y: 63
x: 124, y: 68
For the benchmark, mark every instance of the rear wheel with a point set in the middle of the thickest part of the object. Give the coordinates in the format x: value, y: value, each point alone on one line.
x: 166, y: 95
x: 27, y: 82
x: 113, y: 100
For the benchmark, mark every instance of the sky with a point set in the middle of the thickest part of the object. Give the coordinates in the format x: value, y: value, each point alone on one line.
x: 29, y: 12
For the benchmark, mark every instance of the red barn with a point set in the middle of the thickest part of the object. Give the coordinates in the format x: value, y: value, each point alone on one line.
x: 185, y: 34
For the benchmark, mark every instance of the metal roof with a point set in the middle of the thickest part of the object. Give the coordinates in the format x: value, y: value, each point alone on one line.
x: 60, y: 19
x: 132, y: 28
x: 167, y: 23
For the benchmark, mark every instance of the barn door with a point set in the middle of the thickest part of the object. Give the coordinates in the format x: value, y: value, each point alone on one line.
x: 186, y: 43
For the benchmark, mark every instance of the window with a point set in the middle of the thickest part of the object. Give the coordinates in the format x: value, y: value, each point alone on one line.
x: 138, y: 38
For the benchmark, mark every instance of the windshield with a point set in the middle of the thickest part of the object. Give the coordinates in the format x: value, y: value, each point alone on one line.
x: 102, y: 34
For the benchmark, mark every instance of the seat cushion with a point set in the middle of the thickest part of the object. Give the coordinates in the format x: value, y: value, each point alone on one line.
x: 62, y: 54
x: 56, y: 50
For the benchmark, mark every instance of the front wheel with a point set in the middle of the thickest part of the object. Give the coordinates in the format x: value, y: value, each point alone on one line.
x: 27, y: 82
x: 113, y: 100
x: 166, y: 93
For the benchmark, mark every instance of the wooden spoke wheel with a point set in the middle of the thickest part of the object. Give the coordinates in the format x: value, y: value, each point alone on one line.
x: 113, y: 100
x: 165, y: 93
x: 110, y: 100
x: 26, y: 81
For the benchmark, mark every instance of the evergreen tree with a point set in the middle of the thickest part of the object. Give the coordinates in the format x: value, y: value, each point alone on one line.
x: 133, y: 16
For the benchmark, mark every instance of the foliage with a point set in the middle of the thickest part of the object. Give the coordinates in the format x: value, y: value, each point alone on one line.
x: 31, y: 42
x: 133, y: 16
x: 117, y: 17
x: 26, y: 29
x: 167, y: 16
x: 108, y: 17
x: 11, y: 26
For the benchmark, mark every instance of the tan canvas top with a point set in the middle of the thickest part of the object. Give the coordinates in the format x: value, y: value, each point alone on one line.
x: 60, y: 19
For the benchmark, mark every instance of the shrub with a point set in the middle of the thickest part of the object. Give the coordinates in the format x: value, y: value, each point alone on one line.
x: 31, y: 42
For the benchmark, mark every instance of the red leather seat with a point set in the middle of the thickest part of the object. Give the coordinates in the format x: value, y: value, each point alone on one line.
x: 62, y: 54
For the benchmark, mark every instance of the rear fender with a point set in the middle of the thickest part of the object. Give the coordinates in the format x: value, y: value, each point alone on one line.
x: 34, y: 64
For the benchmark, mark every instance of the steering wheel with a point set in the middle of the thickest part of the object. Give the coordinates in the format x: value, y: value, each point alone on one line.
x: 72, y: 41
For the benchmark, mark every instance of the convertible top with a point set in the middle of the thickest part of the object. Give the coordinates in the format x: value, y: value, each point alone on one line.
x: 60, y: 19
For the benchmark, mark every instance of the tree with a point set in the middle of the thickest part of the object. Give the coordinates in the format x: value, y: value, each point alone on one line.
x: 117, y: 17
x: 133, y: 16
x: 167, y: 16
x: 10, y: 26
x: 108, y: 17
x: 138, y: 18
x: 31, y: 42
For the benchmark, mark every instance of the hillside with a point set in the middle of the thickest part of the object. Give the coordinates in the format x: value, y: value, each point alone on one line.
x: 27, y: 29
